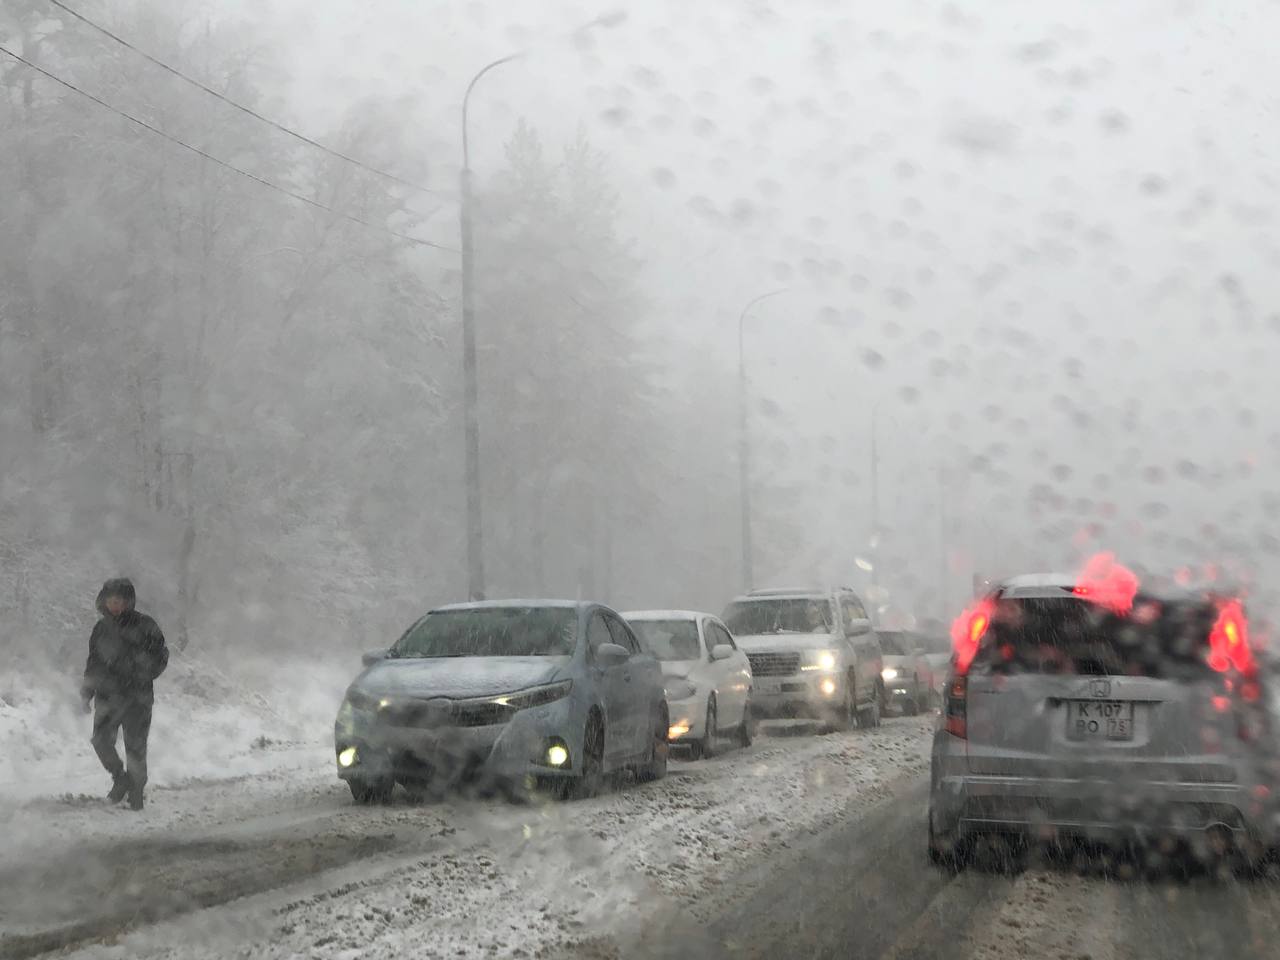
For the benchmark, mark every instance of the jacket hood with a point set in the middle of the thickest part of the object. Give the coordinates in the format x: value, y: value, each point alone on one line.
x: 458, y: 677
x: 117, y: 587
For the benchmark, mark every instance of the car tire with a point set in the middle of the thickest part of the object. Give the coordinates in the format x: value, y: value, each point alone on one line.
x: 371, y: 791
x: 747, y: 732
x: 912, y: 707
x: 948, y: 854
x: 707, y: 747
x: 846, y: 715
x: 869, y: 717
x: 590, y: 780
x: 659, y: 749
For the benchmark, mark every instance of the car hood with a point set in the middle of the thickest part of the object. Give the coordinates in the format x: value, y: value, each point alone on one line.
x: 786, y: 641
x: 458, y: 677
x: 896, y: 660
x: 677, y: 668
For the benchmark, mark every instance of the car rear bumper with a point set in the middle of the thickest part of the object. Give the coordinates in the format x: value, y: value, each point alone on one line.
x: 800, y: 695
x: 1044, y: 807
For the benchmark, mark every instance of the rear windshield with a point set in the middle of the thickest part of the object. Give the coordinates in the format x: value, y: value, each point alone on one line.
x: 1065, y: 635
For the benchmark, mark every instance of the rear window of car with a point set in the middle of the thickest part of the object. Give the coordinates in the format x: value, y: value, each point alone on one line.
x: 1070, y: 636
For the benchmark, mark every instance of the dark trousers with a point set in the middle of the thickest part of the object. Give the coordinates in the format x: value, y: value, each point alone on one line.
x: 113, y: 713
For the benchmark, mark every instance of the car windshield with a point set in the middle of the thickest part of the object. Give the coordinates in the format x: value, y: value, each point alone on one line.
x: 779, y: 615
x: 893, y: 643
x: 1064, y: 635
x: 669, y: 639
x: 491, y: 632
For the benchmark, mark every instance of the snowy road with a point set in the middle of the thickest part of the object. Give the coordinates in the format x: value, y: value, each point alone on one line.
x: 800, y: 846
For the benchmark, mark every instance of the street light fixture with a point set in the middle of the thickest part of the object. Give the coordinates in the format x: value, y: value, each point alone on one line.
x: 744, y: 442
x: 471, y: 415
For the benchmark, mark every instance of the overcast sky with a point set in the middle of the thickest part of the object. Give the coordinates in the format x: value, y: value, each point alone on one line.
x: 1041, y: 236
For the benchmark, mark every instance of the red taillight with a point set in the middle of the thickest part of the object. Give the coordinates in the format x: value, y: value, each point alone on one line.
x: 967, y: 631
x: 1229, y: 641
x: 956, y: 708
x: 1107, y: 583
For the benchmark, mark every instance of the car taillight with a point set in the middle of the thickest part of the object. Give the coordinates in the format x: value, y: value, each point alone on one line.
x: 1229, y: 642
x: 956, y: 707
x: 967, y: 631
x: 1107, y: 583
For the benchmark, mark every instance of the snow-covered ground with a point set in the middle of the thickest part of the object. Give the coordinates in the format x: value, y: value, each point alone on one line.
x: 460, y: 878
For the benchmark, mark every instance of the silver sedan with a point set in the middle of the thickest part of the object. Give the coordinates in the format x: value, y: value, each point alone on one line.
x: 504, y: 693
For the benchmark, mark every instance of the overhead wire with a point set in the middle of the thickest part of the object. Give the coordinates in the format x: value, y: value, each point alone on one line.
x: 222, y: 163
x: 248, y: 111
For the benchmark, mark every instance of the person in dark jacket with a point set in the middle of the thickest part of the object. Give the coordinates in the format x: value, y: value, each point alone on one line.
x: 126, y: 654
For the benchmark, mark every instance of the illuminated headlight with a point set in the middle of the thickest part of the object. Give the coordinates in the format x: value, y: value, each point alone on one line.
x: 535, y: 696
x: 679, y: 689
x: 828, y: 687
x: 678, y: 730
x: 347, y: 757
x: 819, y: 660
x: 889, y: 673
x: 557, y: 755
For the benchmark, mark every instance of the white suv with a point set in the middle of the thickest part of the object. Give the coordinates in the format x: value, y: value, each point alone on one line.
x: 813, y: 653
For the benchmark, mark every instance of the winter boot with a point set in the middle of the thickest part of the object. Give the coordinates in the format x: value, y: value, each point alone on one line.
x: 120, y: 785
x: 135, y: 796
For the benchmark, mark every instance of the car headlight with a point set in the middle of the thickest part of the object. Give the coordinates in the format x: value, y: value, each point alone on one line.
x: 679, y: 688
x: 889, y: 673
x: 819, y: 660
x: 535, y: 696
x: 359, y: 700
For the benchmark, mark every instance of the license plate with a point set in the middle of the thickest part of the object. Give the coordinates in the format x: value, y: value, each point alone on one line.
x: 769, y: 687
x: 1099, y: 720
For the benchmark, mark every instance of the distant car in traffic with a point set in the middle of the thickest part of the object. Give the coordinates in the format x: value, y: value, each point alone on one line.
x: 813, y: 653
x: 906, y: 673
x: 505, y: 692
x: 1088, y: 708
x: 708, y: 679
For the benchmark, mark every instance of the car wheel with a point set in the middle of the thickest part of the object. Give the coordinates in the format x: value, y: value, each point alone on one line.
x: 590, y: 779
x: 846, y: 714
x: 708, y: 745
x: 371, y: 791
x: 747, y: 732
x: 948, y: 854
x: 659, y: 749
x: 912, y: 707
x: 869, y: 717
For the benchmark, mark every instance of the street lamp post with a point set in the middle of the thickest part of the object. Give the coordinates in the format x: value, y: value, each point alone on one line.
x: 470, y: 389
x: 744, y: 442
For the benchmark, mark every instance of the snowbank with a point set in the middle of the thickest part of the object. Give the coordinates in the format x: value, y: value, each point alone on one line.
x: 207, y: 724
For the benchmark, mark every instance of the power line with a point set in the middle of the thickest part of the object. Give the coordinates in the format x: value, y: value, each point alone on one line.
x: 239, y: 106
x: 222, y: 163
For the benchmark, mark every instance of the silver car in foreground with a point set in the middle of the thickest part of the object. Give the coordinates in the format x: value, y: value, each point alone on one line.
x: 1095, y: 712
x: 502, y: 694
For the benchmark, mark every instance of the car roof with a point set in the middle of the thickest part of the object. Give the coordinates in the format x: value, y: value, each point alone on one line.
x: 788, y: 593
x: 665, y: 615
x: 500, y: 604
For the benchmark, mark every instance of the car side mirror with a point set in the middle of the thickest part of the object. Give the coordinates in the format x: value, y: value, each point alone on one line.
x: 611, y: 655
x: 721, y: 651
x: 859, y: 628
x: 374, y: 656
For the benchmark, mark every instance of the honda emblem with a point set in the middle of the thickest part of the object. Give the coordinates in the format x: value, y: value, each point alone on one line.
x: 1099, y: 688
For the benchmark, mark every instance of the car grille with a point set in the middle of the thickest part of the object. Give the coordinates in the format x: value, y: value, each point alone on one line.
x: 774, y: 664
x: 431, y: 714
